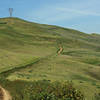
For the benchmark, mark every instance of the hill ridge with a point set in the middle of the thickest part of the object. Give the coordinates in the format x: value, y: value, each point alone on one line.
x: 23, y: 42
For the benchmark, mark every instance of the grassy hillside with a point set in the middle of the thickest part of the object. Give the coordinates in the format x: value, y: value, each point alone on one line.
x: 28, y: 51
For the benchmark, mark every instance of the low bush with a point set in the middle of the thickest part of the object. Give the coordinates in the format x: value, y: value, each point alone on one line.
x: 97, y: 96
x: 42, y: 90
x: 46, y: 90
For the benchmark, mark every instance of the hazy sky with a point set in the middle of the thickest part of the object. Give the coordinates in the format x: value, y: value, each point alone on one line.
x: 83, y: 15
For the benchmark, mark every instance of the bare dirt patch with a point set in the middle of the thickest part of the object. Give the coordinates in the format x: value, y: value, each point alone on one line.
x: 4, y: 94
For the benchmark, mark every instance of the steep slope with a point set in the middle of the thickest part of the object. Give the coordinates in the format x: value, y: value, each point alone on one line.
x: 19, y: 44
x: 36, y: 46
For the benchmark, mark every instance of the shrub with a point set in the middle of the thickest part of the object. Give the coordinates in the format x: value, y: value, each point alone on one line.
x: 97, y: 96
x: 45, y: 90
x: 42, y: 90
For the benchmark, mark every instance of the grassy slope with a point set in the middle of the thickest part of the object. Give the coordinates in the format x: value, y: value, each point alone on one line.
x: 19, y: 45
x: 22, y: 42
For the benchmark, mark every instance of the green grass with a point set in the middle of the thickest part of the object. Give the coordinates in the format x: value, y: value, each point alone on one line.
x: 22, y: 43
x: 60, y: 68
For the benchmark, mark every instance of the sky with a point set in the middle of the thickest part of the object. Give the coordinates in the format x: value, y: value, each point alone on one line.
x: 82, y: 15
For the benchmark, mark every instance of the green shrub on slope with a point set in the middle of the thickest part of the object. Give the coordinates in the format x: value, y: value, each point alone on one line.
x: 45, y: 90
x: 42, y: 90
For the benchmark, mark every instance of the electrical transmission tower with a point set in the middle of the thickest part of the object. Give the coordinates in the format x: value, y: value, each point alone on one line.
x: 10, y: 11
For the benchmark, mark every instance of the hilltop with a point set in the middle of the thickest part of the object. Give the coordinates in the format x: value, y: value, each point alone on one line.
x: 29, y: 51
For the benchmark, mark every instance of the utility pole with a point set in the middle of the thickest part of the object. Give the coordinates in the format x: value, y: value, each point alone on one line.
x: 10, y: 11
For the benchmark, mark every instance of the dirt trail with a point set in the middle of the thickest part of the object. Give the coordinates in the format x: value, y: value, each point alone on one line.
x: 61, y: 49
x: 6, y: 95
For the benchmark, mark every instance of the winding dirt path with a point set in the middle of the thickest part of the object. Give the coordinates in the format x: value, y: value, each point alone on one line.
x: 5, y: 94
